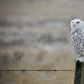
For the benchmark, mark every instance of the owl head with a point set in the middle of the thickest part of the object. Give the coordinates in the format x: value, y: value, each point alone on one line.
x: 77, y: 23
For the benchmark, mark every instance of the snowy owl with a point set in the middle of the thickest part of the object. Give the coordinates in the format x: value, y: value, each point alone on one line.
x: 77, y: 38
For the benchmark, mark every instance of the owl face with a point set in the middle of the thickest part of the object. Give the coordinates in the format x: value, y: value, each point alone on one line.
x: 77, y: 23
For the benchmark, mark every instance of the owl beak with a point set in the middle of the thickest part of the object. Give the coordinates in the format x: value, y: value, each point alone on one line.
x: 74, y: 25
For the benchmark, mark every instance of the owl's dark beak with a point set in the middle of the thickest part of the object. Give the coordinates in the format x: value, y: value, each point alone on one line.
x: 74, y: 25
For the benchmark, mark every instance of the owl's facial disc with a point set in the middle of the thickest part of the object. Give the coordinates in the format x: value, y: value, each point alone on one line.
x: 77, y: 23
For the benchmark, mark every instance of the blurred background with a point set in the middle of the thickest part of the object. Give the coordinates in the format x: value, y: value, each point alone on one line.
x: 35, y: 34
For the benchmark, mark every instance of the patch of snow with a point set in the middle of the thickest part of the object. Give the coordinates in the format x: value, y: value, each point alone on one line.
x: 49, y: 48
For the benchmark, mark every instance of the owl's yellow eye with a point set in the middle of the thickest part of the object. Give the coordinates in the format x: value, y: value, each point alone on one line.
x: 77, y: 22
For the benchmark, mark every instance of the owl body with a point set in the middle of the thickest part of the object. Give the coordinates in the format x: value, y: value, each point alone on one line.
x: 77, y: 38
x: 77, y: 41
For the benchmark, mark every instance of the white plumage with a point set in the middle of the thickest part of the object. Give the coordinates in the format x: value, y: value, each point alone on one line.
x: 77, y: 38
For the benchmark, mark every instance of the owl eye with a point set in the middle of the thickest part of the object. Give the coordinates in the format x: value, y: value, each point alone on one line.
x: 77, y: 22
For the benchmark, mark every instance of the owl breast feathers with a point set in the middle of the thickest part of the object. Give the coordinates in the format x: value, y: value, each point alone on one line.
x: 77, y: 41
